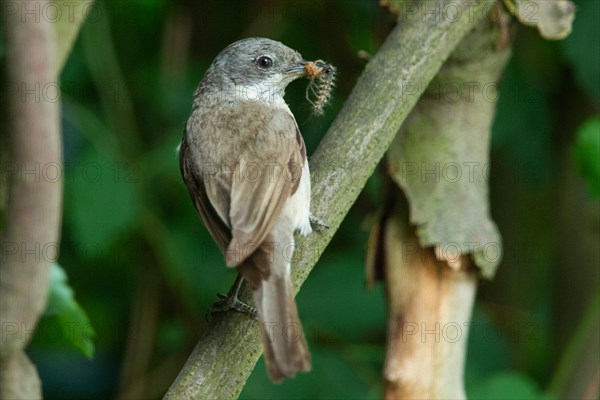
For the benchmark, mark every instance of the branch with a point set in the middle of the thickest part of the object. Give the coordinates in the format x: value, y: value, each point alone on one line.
x: 384, y: 95
x: 34, y: 203
x: 36, y: 50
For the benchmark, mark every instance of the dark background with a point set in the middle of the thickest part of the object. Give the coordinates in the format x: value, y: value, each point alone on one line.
x: 145, y: 270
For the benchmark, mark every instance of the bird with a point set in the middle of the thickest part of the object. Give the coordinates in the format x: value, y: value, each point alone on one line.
x: 243, y: 160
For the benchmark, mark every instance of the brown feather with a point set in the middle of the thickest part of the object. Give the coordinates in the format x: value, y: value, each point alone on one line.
x: 242, y: 214
x: 216, y: 227
x: 249, y: 207
x: 286, y: 351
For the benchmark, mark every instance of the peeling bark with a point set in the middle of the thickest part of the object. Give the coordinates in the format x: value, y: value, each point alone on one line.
x: 433, y: 239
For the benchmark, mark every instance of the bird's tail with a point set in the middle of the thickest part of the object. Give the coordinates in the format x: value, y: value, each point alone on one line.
x: 286, y: 351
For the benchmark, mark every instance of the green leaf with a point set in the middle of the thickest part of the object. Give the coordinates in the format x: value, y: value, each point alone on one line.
x: 67, y: 26
x: 586, y: 152
x: 73, y: 320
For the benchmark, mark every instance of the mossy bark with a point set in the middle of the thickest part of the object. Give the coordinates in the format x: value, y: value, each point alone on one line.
x: 437, y: 236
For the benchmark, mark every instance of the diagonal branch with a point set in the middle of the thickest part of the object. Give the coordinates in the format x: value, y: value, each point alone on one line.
x: 387, y: 90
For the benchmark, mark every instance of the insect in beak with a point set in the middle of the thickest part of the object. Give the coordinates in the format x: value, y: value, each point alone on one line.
x: 322, y: 81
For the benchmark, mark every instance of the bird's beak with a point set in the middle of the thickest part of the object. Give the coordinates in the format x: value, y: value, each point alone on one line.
x: 298, y: 69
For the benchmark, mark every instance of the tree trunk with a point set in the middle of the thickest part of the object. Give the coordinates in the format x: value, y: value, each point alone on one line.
x: 431, y: 261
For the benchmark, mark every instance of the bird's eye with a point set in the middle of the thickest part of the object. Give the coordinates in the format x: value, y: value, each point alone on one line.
x: 264, y: 62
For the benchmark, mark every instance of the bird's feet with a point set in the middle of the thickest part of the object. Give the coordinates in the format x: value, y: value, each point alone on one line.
x: 317, y: 224
x: 231, y: 302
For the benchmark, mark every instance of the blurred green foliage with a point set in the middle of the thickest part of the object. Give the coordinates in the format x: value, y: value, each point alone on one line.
x: 145, y: 269
x: 71, y: 320
x: 587, y: 154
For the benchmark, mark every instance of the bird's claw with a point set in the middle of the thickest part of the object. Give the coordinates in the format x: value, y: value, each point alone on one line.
x: 317, y: 224
x: 229, y: 302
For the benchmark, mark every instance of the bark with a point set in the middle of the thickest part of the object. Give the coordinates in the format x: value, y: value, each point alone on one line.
x: 430, y: 308
x: 436, y: 241
x: 31, y: 198
x: 34, y: 202
x: 385, y: 93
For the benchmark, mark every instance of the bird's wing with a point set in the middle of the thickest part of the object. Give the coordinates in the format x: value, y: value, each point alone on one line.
x: 270, y: 173
x: 239, y: 208
x: 216, y: 226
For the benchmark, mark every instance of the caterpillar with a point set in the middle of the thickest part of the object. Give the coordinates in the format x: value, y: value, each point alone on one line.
x: 322, y: 82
